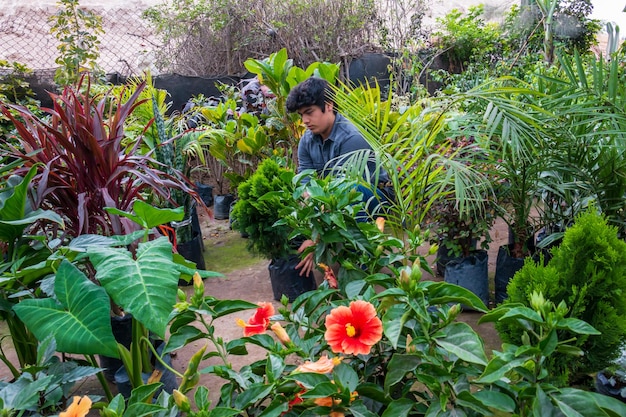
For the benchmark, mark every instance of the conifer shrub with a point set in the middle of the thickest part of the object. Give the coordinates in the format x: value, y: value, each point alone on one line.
x: 260, y: 199
x: 588, y: 272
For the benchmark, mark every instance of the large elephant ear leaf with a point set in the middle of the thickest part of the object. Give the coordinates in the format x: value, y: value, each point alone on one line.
x: 79, y: 321
x: 146, y: 286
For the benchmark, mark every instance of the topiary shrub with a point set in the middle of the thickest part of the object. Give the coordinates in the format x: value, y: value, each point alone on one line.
x: 588, y: 272
x: 261, y: 198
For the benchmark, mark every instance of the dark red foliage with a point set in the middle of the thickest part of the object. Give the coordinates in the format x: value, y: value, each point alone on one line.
x: 85, y: 163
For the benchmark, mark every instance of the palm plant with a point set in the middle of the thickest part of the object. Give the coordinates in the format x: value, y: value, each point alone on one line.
x: 590, y: 96
x: 411, y: 147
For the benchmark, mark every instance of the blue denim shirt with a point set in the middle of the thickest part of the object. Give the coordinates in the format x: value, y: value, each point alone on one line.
x: 325, y: 155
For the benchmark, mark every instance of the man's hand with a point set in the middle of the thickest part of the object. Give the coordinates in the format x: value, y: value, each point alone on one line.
x: 306, y: 265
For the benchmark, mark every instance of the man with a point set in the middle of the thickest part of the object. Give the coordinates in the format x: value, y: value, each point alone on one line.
x: 327, y: 143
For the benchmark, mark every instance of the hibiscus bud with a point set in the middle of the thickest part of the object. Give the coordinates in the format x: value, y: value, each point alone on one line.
x: 380, y: 224
x: 181, y: 295
x: 404, y: 280
x: 181, y: 401
x: 105, y: 412
x: 433, y: 249
x: 416, y: 272
x: 454, y: 311
x: 191, y: 376
x: 409, y: 347
x: 281, y: 334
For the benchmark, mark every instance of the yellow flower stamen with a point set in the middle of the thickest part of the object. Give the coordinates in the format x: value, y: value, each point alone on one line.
x: 350, y: 330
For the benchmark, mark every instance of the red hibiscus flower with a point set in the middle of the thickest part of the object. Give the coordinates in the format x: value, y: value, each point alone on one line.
x: 353, y: 330
x: 259, y: 322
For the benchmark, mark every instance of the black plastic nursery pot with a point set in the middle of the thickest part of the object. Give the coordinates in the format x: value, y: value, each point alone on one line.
x: 286, y: 279
x: 607, y: 385
x: 122, y: 327
x: 470, y: 272
x: 168, y: 378
x: 221, y: 206
x: 506, y: 267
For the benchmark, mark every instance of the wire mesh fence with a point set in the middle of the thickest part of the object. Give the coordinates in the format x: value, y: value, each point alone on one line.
x: 127, y: 46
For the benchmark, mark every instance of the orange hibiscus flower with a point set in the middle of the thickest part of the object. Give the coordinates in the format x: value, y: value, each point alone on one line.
x: 353, y: 330
x: 79, y: 408
x: 259, y: 322
x: 323, y: 365
x: 329, y: 276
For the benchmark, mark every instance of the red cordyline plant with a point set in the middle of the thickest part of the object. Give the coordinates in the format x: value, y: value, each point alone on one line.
x: 86, y: 161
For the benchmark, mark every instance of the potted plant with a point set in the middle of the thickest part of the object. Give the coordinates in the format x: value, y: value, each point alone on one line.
x: 24, y: 243
x: 262, y: 199
x: 85, y: 160
x: 587, y: 272
x: 136, y: 275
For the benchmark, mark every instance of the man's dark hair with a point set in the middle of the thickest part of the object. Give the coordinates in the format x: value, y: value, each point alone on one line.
x: 313, y: 91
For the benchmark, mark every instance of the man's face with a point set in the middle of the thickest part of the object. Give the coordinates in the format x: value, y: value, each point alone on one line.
x: 317, y: 121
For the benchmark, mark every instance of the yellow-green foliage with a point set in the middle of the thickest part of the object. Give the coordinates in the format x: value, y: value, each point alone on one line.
x: 588, y: 272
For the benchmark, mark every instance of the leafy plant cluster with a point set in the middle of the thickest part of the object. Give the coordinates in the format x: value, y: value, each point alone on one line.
x: 216, y: 37
x: 77, y: 29
x: 586, y: 271
x: 15, y: 89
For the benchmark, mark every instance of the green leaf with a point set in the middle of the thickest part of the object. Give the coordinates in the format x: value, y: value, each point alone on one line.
x: 274, y: 368
x: 496, y: 400
x: 145, y: 287
x: 309, y: 380
x: 461, y: 340
x: 399, y: 408
x: 400, y: 365
x: 225, y: 307
x: 577, y: 326
x: 346, y: 377
x: 182, y: 337
x: 592, y: 403
x: 252, y: 394
x: 393, y: 321
x: 325, y: 389
x: 80, y: 323
x: 224, y: 412
x: 524, y: 313
x: 445, y: 293
x: 23, y: 394
x: 497, y: 369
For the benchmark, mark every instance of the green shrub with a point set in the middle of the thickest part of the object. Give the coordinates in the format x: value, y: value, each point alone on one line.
x: 261, y: 198
x: 587, y: 272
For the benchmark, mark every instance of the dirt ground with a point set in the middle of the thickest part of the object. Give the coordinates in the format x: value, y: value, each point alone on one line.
x: 252, y: 283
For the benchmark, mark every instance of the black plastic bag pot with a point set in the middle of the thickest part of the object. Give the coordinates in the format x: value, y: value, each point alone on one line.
x: 506, y: 267
x: 286, y: 279
x: 470, y: 272
x: 168, y: 378
x: 122, y: 327
x: 193, y: 251
x: 206, y: 193
x: 221, y: 206
x: 444, y: 256
x: 607, y: 385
